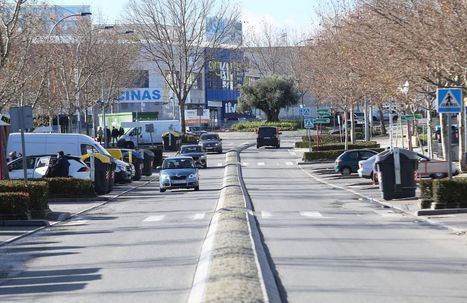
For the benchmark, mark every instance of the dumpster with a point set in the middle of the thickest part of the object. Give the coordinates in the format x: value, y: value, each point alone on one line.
x: 396, y: 170
x: 171, y: 140
x: 138, y: 162
x: 148, y: 162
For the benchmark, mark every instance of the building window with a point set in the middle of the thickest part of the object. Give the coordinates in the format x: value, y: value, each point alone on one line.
x: 139, y: 78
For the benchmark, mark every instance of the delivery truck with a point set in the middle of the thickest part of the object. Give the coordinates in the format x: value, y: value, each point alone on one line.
x: 143, y: 133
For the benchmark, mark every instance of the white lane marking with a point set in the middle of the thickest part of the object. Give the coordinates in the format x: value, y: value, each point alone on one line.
x: 265, y: 214
x: 288, y: 163
x: 311, y: 214
x: 198, y: 216
x: 154, y: 218
x: 245, y: 163
x: 261, y: 164
x: 76, y: 223
x: 219, y: 164
x: 292, y: 152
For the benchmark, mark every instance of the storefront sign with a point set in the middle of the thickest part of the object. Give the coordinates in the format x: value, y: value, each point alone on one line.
x: 141, y: 95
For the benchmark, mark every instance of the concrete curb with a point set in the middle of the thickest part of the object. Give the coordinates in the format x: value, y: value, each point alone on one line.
x: 67, y: 217
x: 231, y: 267
x: 446, y: 211
x: 389, y: 205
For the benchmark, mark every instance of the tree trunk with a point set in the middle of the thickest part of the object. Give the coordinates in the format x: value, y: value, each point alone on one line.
x: 429, y: 133
x: 346, y: 131
x: 352, y: 126
x: 181, y: 105
x: 444, y: 135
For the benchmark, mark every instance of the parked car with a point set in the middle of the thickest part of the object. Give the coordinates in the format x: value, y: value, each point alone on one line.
x: 365, y: 167
x: 195, y: 130
x: 211, y: 142
x: 196, y: 152
x: 347, y: 162
x: 427, y: 168
x: 70, y: 144
x: 124, y: 172
x: 37, y: 167
x: 178, y: 172
x: 268, y: 136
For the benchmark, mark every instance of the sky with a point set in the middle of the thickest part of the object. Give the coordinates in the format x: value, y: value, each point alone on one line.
x: 290, y: 15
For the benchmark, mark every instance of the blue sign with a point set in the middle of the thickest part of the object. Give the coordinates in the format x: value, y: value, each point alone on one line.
x: 141, y: 95
x: 304, y: 111
x: 309, y: 123
x: 449, y: 100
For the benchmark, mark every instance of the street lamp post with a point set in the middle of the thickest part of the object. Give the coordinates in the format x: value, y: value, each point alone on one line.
x: 405, y: 91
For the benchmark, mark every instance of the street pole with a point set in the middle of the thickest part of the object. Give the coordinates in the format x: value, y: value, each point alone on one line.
x: 391, y: 128
x: 449, y: 154
x: 367, y: 131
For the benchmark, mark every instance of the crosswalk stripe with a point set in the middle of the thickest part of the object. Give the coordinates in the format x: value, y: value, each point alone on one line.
x: 198, y: 216
x: 265, y: 214
x: 261, y: 164
x: 288, y: 163
x: 311, y: 214
x: 219, y: 164
x: 245, y: 163
x: 154, y: 218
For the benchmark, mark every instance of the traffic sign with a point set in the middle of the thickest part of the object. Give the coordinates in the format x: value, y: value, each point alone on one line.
x: 304, y: 111
x: 308, y: 123
x: 411, y: 117
x: 324, y: 112
x: 322, y: 121
x: 449, y: 100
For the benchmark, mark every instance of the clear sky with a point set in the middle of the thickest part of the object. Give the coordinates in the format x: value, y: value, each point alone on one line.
x: 290, y: 14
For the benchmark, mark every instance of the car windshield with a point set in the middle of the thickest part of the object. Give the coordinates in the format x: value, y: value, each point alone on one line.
x: 177, y: 163
x: 190, y: 149
x: 209, y: 137
x: 267, y: 131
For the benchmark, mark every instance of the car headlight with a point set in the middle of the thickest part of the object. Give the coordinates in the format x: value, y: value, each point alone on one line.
x: 121, y: 166
x: 202, y: 157
x: 218, y: 143
x: 192, y: 176
x: 164, y: 177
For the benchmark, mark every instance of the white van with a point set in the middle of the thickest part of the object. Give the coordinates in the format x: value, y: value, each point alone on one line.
x: 44, y: 144
x: 138, y: 133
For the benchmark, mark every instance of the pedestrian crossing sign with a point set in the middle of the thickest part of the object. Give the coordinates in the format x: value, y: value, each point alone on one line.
x: 308, y: 123
x: 449, y: 100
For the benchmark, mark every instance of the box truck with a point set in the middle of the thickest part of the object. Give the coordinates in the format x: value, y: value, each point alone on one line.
x: 146, y: 132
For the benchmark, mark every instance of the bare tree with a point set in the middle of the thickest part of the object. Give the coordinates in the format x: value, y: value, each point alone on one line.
x: 173, y: 36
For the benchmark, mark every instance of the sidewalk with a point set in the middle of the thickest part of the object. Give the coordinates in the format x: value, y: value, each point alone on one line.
x: 64, y: 210
x: 364, y: 188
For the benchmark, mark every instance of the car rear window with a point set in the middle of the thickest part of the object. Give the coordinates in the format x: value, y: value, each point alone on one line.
x: 267, y: 131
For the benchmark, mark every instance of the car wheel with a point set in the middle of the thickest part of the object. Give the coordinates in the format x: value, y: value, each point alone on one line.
x: 196, y: 188
x: 162, y: 190
x: 257, y: 146
x: 219, y: 151
x: 345, y: 171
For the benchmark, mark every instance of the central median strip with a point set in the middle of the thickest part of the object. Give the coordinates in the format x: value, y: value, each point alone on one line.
x: 232, y: 265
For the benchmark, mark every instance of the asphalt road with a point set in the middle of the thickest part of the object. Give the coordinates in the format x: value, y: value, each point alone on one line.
x: 143, y: 247
x: 329, y: 246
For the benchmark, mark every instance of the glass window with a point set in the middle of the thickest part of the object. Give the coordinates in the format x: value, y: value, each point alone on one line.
x: 352, y: 156
x: 366, y: 155
x: 209, y: 137
x: 139, y: 78
x: 191, y: 149
x: 18, y: 164
x: 177, y: 163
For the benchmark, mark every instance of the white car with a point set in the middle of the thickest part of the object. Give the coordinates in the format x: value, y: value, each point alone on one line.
x: 38, y: 167
x: 365, y: 167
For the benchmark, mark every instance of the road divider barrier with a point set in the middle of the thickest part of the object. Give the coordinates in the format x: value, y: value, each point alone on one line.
x: 233, y: 266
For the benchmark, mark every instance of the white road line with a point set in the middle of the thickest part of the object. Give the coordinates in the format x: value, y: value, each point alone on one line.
x: 154, y: 218
x: 245, y: 163
x: 75, y: 223
x: 219, y: 164
x: 288, y: 163
x: 311, y: 214
x: 292, y: 152
x: 265, y: 214
x: 198, y: 216
x: 261, y: 164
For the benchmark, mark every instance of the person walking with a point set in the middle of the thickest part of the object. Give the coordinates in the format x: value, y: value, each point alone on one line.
x: 100, y: 134
x: 114, y: 135
x: 121, y: 131
x: 109, y: 137
x: 61, y: 167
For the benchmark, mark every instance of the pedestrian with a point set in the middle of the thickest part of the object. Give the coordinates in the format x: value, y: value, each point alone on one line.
x: 100, y: 134
x: 11, y: 156
x: 114, y: 135
x: 121, y: 131
x: 108, y: 134
x: 61, y: 166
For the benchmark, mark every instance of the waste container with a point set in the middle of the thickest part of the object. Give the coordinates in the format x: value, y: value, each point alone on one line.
x: 148, y: 162
x: 171, y: 140
x: 396, y: 170
x: 138, y: 162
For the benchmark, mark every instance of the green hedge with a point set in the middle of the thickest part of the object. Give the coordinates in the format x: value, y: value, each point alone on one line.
x: 253, y: 125
x: 338, y: 146
x: 38, y: 194
x: 328, y: 154
x: 70, y: 188
x: 426, y: 196
x: 450, y: 193
x: 14, y: 206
